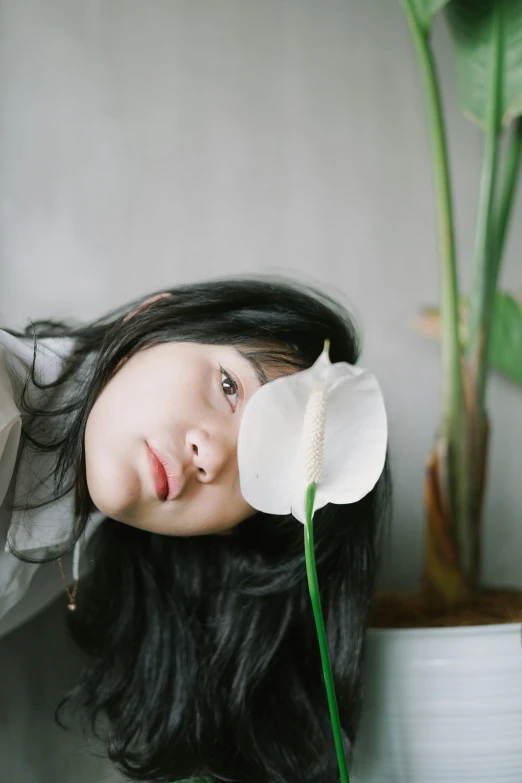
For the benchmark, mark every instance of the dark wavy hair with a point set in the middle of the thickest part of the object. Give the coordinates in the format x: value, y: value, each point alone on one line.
x: 201, y: 656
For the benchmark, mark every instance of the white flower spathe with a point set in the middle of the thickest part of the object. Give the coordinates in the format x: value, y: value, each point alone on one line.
x: 325, y: 425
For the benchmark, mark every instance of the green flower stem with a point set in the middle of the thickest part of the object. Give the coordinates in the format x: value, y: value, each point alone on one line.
x: 313, y: 586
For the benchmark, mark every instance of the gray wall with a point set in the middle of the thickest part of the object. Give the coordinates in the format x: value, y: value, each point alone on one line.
x: 148, y: 143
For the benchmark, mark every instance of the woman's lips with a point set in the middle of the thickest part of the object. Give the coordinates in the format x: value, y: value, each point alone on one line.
x: 167, y: 475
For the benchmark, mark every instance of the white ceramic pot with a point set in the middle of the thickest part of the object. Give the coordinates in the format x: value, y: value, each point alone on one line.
x: 442, y: 705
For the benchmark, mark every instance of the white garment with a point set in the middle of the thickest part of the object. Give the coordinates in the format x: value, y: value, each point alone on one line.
x: 26, y: 588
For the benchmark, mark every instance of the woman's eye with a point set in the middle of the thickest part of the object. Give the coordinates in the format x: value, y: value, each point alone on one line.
x: 230, y: 388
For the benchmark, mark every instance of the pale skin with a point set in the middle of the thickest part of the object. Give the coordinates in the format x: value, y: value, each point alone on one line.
x: 187, y: 401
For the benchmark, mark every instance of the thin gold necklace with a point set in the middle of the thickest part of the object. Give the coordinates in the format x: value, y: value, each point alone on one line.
x: 71, y: 606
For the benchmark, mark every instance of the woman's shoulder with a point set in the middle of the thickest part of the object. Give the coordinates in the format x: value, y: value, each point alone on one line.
x: 16, y: 361
x: 10, y: 423
x: 19, y: 353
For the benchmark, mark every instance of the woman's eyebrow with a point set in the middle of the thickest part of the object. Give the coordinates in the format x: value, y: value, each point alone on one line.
x: 256, y: 366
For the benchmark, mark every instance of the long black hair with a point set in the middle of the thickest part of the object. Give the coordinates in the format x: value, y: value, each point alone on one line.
x: 201, y: 657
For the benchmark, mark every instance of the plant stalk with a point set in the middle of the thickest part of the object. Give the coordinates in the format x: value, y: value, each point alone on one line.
x: 487, y: 262
x: 313, y: 586
x: 511, y: 174
x: 452, y: 397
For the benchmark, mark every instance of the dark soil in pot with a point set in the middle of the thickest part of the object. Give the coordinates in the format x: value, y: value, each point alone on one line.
x: 415, y: 610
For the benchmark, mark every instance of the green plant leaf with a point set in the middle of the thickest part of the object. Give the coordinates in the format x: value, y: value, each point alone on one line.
x: 505, y: 350
x: 426, y: 10
x: 472, y: 25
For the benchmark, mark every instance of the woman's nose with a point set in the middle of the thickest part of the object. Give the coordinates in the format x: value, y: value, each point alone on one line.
x: 208, y: 454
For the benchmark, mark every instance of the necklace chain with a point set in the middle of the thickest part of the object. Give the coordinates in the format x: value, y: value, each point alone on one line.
x: 72, y: 594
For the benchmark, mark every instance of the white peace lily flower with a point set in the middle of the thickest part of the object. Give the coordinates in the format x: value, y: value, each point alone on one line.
x: 325, y: 425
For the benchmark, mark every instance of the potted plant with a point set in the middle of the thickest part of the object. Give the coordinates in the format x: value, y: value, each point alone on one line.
x: 444, y: 666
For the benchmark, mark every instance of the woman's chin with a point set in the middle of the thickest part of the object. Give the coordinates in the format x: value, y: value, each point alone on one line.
x: 116, y: 505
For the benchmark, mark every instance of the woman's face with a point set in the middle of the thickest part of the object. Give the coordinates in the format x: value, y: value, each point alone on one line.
x: 161, y: 439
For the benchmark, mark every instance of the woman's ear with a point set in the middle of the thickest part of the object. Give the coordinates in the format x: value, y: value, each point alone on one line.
x: 145, y: 304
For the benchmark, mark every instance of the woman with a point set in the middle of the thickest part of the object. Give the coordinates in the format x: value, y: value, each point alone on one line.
x: 202, y: 656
